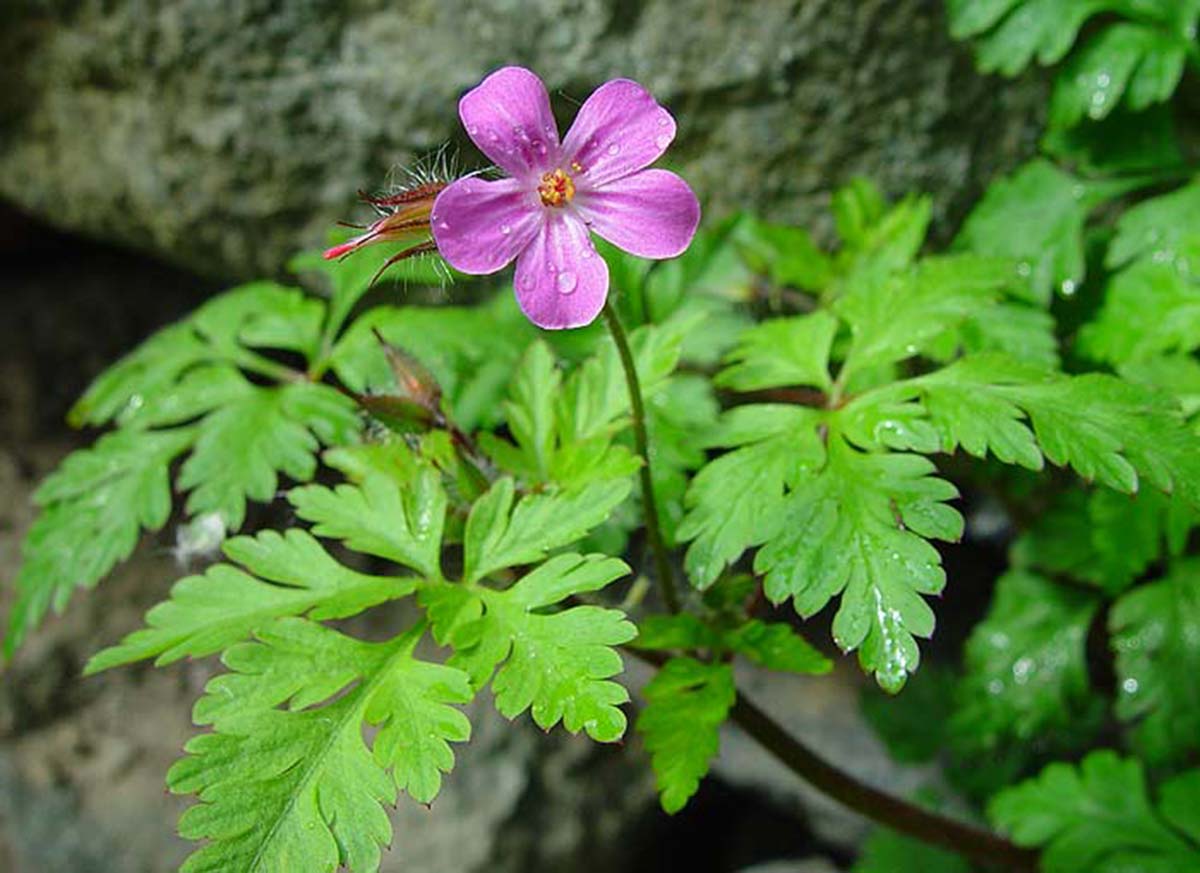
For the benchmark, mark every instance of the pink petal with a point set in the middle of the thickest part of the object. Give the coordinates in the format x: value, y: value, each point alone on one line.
x: 651, y: 214
x: 561, y: 282
x: 619, y: 130
x: 508, y: 116
x: 480, y: 226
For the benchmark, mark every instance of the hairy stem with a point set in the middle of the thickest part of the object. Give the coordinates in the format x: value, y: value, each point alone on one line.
x: 982, y: 846
x: 662, y: 562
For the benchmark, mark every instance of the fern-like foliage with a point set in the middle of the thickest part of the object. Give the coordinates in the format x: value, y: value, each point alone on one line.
x: 1134, y: 60
x: 183, y: 393
x: 312, y: 791
x: 282, y: 789
x: 839, y: 499
x: 1100, y: 816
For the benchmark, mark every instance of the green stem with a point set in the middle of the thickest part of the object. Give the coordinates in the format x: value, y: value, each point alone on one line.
x: 666, y: 579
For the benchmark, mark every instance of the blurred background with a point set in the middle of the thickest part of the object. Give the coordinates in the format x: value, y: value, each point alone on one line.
x: 154, y: 152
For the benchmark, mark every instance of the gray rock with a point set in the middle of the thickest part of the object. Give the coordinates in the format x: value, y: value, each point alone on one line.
x: 227, y: 140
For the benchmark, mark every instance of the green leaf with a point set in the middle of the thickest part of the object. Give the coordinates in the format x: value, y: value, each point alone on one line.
x: 557, y: 665
x: 1036, y: 217
x: 148, y: 371
x: 1103, y: 538
x: 564, y: 431
x: 158, y: 373
x: 530, y: 409
x: 787, y: 254
x: 1106, y: 429
x: 596, y: 397
x: 284, y: 575
x: 1098, y: 818
x: 898, y: 318
x: 262, y: 314
x: 976, y: 420
x: 1178, y: 375
x: 299, y: 789
x: 399, y: 517
x: 198, y: 392
x: 1018, y: 330
x: 734, y: 502
x: 243, y: 446
x: 278, y: 318
x: 499, y: 535
x: 1026, y: 665
x: 1156, y: 636
x: 1150, y: 308
x: 857, y: 527
x: 682, y: 630
x: 773, y: 645
x: 878, y: 240
x: 782, y: 352
x: 1010, y: 33
x: 686, y: 704
x: 776, y: 646
x: 858, y: 207
x: 1156, y: 227
x: 1135, y: 63
x: 149, y: 374
x: 94, y: 507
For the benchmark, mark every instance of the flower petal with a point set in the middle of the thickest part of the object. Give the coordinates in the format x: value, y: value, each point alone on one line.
x: 480, y: 226
x: 561, y: 282
x: 508, y: 116
x: 619, y: 130
x: 651, y: 214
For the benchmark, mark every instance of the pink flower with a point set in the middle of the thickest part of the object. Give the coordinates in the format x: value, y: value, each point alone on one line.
x: 595, y: 180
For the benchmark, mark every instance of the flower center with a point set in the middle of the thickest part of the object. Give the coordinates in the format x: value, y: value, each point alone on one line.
x: 556, y: 189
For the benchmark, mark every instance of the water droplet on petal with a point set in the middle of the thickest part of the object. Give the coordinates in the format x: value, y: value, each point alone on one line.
x: 566, y: 282
x: 539, y: 146
x: 505, y: 229
x: 527, y: 282
x: 662, y: 140
x: 664, y: 120
x: 614, y: 149
x: 443, y: 225
x: 472, y: 129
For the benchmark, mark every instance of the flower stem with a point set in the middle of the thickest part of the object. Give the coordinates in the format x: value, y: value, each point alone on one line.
x: 662, y: 562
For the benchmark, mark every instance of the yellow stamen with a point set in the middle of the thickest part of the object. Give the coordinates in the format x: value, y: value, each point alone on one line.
x: 556, y: 189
